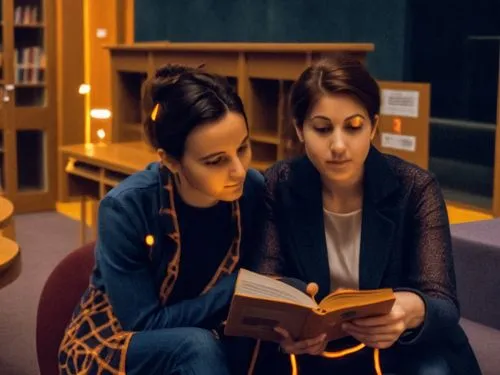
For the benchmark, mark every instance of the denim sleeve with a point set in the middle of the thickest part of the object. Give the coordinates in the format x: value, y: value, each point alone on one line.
x: 128, y: 281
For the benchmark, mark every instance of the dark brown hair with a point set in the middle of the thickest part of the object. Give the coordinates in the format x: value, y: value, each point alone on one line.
x: 185, y: 99
x: 343, y: 74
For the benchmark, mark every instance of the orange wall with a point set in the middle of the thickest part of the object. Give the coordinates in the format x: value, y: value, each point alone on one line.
x: 107, y: 23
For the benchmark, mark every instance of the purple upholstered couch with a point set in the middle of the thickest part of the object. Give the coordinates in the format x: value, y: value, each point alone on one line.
x: 476, y: 248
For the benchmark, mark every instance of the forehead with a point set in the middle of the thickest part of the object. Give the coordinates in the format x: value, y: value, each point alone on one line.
x: 337, y: 107
x: 224, y: 135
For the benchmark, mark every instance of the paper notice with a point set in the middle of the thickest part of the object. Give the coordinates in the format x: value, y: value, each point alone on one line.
x: 399, y: 142
x: 400, y: 103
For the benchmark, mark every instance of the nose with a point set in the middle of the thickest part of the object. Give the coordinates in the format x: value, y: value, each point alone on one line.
x: 337, y: 142
x: 238, y: 170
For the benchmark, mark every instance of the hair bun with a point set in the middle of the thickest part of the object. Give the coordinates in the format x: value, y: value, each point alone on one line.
x: 173, y: 71
x: 167, y: 76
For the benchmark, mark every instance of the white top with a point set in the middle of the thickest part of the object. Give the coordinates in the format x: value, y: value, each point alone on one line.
x: 343, y: 237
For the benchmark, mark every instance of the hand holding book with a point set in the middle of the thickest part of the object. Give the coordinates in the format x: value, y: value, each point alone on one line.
x: 261, y: 303
x: 383, y: 331
x: 314, y: 346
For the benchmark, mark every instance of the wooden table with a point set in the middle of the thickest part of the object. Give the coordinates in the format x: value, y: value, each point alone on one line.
x: 95, y: 168
x: 6, y: 212
x: 6, y: 219
x: 10, y: 261
x: 10, y: 255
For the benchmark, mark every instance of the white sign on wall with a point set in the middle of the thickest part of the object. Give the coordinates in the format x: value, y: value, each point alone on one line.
x: 400, y: 103
x: 399, y: 142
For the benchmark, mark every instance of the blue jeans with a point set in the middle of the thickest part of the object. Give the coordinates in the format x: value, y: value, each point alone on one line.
x: 408, y: 361
x: 176, y: 351
x: 426, y: 363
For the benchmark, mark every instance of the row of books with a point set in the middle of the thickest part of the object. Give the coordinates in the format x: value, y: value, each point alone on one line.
x: 26, y: 15
x: 30, y: 65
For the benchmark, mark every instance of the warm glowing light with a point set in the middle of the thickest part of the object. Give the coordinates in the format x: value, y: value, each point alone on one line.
x: 99, y: 113
x: 84, y: 89
x: 101, y: 134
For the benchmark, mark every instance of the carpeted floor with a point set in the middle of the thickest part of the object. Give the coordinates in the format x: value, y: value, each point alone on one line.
x: 44, y: 239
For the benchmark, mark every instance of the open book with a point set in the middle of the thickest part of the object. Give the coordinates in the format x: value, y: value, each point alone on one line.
x: 260, y: 303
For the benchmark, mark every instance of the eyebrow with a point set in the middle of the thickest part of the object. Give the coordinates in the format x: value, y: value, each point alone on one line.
x: 214, y: 154
x: 346, y: 119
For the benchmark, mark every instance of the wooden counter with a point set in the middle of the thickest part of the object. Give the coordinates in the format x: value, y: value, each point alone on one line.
x: 91, y: 170
x: 10, y: 256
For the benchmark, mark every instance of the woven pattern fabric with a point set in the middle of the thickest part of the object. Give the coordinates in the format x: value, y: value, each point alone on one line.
x: 95, y: 342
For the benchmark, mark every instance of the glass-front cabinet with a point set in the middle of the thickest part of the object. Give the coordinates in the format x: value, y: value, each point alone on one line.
x: 27, y: 104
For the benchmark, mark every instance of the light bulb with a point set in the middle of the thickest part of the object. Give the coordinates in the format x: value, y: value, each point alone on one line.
x: 101, y: 134
x: 100, y: 113
x: 84, y: 89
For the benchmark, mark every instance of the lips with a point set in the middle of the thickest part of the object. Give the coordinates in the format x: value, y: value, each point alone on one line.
x: 234, y: 186
x: 338, y: 162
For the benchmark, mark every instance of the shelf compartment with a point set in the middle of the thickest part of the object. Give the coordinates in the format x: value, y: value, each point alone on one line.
x: 82, y: 169
x: 263, y: 107
x: 31, y: 160
x: 30, y: 96
x: 265, y: 136
x: 112, y: 178
x: 130, y: 118
x: 263, y: 155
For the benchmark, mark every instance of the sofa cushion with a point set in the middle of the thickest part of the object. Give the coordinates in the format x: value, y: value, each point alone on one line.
x: 485, y: 342
x: 476, y: 248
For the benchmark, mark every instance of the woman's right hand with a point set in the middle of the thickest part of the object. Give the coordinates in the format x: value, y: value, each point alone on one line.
x: 314, y: 346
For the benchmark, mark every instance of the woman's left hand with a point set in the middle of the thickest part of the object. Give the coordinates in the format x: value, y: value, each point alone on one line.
x: 383, y: 331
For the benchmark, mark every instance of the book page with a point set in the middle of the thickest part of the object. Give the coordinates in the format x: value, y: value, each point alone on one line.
x: 252, y: 284
x: 341, y: 299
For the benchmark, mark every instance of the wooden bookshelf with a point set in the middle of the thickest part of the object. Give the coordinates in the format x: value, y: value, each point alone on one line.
x: 262, y: 74
x: 27, y: 104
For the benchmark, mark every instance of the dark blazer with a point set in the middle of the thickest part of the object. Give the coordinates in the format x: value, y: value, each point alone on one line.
x: 405, y: 242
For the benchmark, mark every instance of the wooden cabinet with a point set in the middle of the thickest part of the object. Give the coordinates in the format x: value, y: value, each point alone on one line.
x: 262, y: 74
x: 27, y: 104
